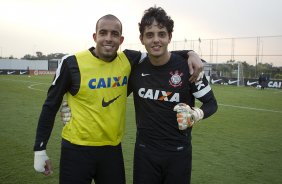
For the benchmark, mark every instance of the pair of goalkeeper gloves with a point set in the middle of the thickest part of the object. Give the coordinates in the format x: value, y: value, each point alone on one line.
x: 186, y: 116
x: 42, y: 162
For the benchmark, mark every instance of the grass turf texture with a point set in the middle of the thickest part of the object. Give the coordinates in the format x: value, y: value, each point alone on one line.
x: 241, y: 143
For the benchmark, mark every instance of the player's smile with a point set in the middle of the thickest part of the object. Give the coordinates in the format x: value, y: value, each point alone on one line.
x: 156, y: 47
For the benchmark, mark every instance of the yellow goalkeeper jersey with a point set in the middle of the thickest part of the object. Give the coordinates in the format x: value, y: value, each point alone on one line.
x: 98, y: 109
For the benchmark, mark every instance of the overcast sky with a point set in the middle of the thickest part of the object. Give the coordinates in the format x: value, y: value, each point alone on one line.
x: 66, y: 26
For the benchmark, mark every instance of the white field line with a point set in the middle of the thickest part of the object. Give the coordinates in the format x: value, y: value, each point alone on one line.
x: 250, y: 108
x: 32, y: 88
x: 32, y: 84
x: 235, y: 106
x: 280, y: 91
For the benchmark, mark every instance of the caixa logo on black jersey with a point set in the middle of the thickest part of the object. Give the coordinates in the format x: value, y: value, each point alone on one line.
x: 158, y: 95
x: 107, y: 82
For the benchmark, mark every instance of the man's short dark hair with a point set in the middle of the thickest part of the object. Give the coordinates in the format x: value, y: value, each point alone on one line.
x: 109, y: 17
x: 158, y: 14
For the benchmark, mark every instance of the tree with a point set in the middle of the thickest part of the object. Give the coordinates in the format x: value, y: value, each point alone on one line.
x: 55, y: 55
x: 41, y: 56
x: 29, y: 57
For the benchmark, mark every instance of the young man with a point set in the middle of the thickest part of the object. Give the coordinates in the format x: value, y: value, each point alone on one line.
x: 163, y: 151
x: 95, y: 83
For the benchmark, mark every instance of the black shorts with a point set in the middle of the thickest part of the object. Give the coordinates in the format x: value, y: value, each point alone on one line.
x: 162, y: 167
x: 82, y: 164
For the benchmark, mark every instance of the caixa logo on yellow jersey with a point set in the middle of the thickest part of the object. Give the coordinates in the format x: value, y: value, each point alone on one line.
x: 107, y: 82
x: 158, y: 95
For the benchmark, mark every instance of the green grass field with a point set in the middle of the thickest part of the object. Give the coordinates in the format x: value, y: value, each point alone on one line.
x: 240, y: 144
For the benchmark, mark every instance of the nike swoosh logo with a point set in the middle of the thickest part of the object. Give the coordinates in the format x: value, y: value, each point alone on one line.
x: 214, y: 81
x: 10, y: 72
x: 105, y: 104
x: 144, y: 74
x: 22, y: 72
x: 232, y: 82
x: 251, y: 83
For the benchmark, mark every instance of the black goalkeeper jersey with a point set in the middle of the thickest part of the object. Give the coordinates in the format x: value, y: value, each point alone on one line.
x: 156, y: 90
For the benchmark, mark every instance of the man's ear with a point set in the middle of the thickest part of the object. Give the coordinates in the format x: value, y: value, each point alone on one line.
x: 121, y: 39
x: 141, y: 39
x: 169, y: 37
x: 94, y: 36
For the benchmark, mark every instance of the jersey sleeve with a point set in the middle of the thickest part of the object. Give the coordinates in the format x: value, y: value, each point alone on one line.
x: 56, y: 91
x: 203, y: 92
x: 134, y: 57
x: 182, y: 53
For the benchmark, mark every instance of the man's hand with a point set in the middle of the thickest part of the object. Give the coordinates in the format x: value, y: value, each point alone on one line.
x: 42, y: 163
x: 196, y: 67
x: 65, y: 112
x: 187, y: 117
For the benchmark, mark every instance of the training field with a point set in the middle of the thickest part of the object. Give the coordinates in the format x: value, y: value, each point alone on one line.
x: 240, y: 144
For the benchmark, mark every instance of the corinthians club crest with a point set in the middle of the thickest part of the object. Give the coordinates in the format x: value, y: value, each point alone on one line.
x: 175, y: 79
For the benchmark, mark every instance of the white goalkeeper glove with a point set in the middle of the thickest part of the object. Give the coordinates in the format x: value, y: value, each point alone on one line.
x: 65, y: 112
x: 42, y: 162
x: 187, y: 117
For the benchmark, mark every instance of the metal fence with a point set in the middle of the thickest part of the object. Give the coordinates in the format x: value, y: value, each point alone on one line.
x: 253, y: 50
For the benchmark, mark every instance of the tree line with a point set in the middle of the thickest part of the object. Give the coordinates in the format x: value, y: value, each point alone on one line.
x: 230, y: 69
x: 40, y: 56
